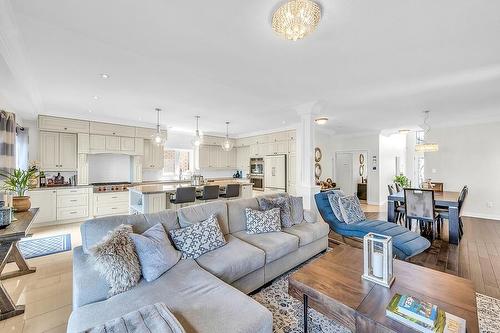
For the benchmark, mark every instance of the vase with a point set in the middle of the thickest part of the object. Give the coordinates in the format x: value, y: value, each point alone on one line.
x: 21, y: 203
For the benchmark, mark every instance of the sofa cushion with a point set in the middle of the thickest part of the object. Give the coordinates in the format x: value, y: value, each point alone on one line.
x: 197, y: 213
x: 154, y: 318
x: 236, y: 213
x: 198, y: 238
x: 283, y: 203
x: 156, y: 253
x: 333, y: 198
x: 116, y: 260
x: 233, y: 261
x: 259, y: 222
x: 200, y: 301
x: 351, y: 209
x: 167, y: 218
x: 308, y: 232
x: 274, y: 244
x: 297, y: 209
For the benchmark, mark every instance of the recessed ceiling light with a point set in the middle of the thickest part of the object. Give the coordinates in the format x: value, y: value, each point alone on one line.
x: 90, y: 111
x: 321, y: 120
x: 104, y: 76
x: 96, y: 97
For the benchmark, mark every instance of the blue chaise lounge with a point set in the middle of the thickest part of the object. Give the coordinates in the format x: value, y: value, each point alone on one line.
x: 405, y: 243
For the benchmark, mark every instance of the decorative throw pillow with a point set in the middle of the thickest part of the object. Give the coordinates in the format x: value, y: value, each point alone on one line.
x: 351, y: 209
x: 259, y: 222
x: 199, y: 238
x: 333, y: 197
x: 156, y: 253
x: 283, y: 203
x: 116, y: 260
x: 297, y: 209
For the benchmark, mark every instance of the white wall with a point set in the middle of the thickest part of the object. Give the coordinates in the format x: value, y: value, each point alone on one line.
x: 390, y: 147
x: 366, y: 143
x: 468, y: 155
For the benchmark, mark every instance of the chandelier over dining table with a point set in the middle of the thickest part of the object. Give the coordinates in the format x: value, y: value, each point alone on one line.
x: 296, y: 19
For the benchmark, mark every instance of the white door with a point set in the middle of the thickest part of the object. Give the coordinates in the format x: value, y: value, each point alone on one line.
x: 344, y: 173
x: 67, y: 152
x: 49, y: 151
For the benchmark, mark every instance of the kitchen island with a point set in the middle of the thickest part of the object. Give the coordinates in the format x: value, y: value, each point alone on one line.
x: 146, y: 199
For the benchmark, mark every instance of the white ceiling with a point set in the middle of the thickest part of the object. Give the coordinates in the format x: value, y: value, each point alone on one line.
x: 373, y: 64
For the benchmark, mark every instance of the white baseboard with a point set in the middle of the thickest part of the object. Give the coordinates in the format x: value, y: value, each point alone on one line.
x: 482, y: 215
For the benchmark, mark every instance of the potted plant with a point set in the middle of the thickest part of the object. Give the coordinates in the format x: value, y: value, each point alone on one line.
x: 19, y: 181
x: 402, y: 180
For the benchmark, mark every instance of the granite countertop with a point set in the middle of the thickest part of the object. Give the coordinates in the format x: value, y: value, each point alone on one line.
x: 45, y: 188
x: 171, y: 188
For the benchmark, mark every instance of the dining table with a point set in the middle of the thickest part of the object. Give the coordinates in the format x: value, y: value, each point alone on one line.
x: 445, y: 199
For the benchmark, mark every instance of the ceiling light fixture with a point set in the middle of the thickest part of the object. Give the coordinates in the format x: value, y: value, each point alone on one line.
x: 426, y: 147
x: 227, y: 144
x: 197, y: 136
x: 159, y: 138
x: 105, y: 76
x: 296, y: 19
x: 404, y: 131
x: 96, y: 97
x: 321, y: 120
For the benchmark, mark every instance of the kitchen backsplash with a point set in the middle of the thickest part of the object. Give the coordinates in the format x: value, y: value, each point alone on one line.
x: 104, y: 168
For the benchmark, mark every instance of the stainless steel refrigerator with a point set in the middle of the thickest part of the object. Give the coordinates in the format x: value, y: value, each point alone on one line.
x: 275, y: 173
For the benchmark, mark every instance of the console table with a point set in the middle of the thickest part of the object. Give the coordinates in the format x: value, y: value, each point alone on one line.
x: 9, y: 237
x: 332, y: 285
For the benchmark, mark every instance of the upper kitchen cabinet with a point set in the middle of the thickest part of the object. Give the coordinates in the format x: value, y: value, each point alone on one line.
x: 64, y: 125
x: 153, y: 155
x: 145, y: 133
x: 58, y: 151
x: 111, y: 129
x: 112, y: 143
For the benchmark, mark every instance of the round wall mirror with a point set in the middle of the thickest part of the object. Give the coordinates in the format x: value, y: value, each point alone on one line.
x: 317, y: 154
x: 317, y: 170
x: 361, y: 159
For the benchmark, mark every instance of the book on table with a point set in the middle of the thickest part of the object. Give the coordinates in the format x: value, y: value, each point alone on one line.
x: 441, y: 322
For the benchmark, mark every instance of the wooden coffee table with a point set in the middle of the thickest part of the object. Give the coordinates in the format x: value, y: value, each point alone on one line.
x: 332, y: 285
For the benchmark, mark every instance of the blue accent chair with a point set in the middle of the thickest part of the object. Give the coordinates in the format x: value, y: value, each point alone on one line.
x: 405, y: 243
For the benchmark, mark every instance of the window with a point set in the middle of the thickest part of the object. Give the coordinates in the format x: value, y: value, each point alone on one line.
x: 420, y: 135
x: 177, y: 162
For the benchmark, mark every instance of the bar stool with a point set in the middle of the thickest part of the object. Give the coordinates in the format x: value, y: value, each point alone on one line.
x: 232, y: 191
x: 184, y: 195
x: 210, y: 192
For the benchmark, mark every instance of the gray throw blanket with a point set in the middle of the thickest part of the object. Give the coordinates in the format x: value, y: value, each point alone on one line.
x: 154, y: 318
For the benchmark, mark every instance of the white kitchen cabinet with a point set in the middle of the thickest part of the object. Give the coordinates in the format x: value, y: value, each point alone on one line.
x: 97, y: 143
x: 292, y: 146
x: 214, y: 157
x: 204, y: 157
x: 111, y: 129
x: 113, y: 203
x: 292, y: 135
x: 144, y: 133
x: 127, y: 144
x: 62, y: 125
x: 243, y: 158
x: 153, y: 155
x: 83, y: 143
x: 58, y: 151
x: 83, y: 170
x: 112, y: 143
x: 279, y: 147
x: 138, y: 146
x: 46, y: 201
x: 254, y: 150
x: 136, y: 173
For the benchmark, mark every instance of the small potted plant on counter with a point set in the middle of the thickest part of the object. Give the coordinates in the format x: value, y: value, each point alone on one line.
x: 19, y: 181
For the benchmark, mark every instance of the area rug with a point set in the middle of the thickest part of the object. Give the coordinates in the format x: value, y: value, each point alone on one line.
x: 39, y: 247
x: 288, y: 311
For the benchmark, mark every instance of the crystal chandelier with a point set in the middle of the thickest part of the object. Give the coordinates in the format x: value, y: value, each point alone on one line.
x: 426, y: 147
x: 227, y: 144
x: 197, y: 136
x: 296, y: 19
x: 159, y: 138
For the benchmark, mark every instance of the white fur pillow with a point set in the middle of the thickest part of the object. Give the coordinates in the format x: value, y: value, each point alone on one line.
x: 116, y: 260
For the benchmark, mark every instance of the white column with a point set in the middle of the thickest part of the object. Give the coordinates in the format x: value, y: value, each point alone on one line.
x: 306, y: 186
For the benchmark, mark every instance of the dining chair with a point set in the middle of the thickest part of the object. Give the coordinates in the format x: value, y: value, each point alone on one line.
x: 184, y: 195
x: 232, y: 191
x: 398, y: 187
x: 210, y: 192
x: 445, y: 215
x: 420, y: 206
x: 400, y: 209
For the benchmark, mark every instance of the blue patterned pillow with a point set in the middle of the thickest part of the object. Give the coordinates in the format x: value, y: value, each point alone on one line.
x: 333, y: 197
x: 199, y: 238
x: 351, y: 209
x: 283, y: 203
x: 259, y: 222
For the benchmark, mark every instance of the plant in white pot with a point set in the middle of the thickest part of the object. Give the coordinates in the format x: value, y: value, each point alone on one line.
x: 19, y: 181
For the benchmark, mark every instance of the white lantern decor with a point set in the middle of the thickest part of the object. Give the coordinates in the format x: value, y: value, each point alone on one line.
x: 378, y: 259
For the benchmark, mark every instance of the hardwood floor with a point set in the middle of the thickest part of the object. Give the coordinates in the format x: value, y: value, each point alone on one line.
x: 47, y: 293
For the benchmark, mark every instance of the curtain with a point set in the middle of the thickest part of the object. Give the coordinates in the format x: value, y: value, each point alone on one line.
x: 7, y: 141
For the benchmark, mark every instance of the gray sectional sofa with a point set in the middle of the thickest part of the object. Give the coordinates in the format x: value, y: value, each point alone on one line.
x: 207, y: 294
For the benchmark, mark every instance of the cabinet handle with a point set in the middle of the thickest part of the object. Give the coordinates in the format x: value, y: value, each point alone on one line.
x: 65, y: 128
x: 73, y: 200
x: 72, y: 191
x: 114, y: 208
x: 114, y: 197
x: 72, y: 212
